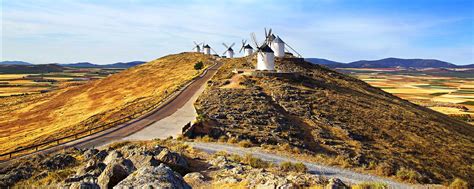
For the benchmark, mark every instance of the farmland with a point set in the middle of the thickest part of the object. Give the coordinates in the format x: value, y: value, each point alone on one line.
x: 34, y: 83
x: 447, y: 91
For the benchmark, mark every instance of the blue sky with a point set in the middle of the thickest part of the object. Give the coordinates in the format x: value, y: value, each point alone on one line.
x: 108, y: 31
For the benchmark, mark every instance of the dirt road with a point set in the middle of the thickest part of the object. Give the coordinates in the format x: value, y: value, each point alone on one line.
x: 345, y: 175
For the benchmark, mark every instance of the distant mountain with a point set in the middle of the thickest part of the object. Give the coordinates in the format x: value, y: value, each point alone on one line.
x: 14, y: 63
x: 388, y: 63
x: 30, y: 69
x: 468, y: 66
x: 114, y: 65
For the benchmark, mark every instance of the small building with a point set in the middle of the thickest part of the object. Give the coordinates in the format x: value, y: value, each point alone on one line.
x: 206, y: 49
x: 230, y: 53
x: 265, y: 58
x: 278, y: 47
x: 248, y: 50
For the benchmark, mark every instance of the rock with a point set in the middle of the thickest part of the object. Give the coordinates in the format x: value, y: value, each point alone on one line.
x: 154, y: 177
x: 116, y: 170
x: 15, y: 175
x: 111, y: 156
x: 140, y: 160
x: 90, y: 153
x: 265, y: 186
x: 172, y: 158
x: 220, y: 161
x: 195, y: 179
x: 84, y: 185
x: 58, y: 161
x: 335, y: 183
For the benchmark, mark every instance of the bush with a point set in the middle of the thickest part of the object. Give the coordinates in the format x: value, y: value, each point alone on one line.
x: 408, y: 175
x: 232, y: 140
x: 245, y: 143
x: 459, y: 184
x: 222, y: 139
x: 199, y: 65
x: 370, y: 185
x: 294, y: 167
x: 207, y: 139
x: 255, y: 162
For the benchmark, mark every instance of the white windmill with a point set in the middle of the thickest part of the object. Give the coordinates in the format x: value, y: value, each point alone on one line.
x: 197, y: 48
x: 278, y: 45
x: 206, y: 49
x: 265, y: 55
x: 248, y: 50
x: 229, y: 51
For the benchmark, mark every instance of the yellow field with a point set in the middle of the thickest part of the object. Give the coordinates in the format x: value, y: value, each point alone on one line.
x: 449, y: 95
x: 32, y: 119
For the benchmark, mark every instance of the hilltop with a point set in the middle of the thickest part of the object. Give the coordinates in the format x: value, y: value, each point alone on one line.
x: 32, y: 119
x: 389, y: 63
x: 334, y: 116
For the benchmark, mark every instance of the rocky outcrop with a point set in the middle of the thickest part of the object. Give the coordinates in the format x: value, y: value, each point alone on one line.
x: 14, y: 176
x: 58, y: 161
x: 172, y: 158
x: 335, y: 183
x: 116, y: 170
x: 154, y: 177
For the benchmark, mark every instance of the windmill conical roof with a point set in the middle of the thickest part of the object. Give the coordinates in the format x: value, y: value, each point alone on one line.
x: 230, y: 49
x: 265, y: 48
x: 206, y: 46
x: 248, y: 47
x: 278, y: 40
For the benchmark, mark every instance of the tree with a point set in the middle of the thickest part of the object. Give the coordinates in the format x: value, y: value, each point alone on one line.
x: 198, y: 65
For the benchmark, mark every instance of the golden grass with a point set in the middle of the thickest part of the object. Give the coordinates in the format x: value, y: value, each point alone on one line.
x: 67, y: 111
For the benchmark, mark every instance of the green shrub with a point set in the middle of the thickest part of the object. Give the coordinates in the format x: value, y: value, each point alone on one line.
x: 370, y: 185
x: 408, y: 175
x: 232, y: 140
x: 294, y: 167
x: 245, y: 143
x: 222, y: 138
x: 199, y: 65
x: 255, y: 162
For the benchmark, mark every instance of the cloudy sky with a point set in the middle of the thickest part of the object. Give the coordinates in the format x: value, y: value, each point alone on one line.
x: 107, y: 31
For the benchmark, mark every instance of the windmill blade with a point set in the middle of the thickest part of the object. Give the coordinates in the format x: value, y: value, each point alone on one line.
x: 299, y: 55
x: 225, y: 45
x: 254, y: 39
x: 195, y: 47
x: 265, y: 31
x: 270, y: 32
x: 195, y: 43
x: 232, y: 45
x: 214, y: 51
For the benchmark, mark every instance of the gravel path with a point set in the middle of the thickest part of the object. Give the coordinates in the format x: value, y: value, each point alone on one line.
x: 347, y: 176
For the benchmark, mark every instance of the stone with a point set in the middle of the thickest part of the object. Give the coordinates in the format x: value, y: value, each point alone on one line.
x: 172, y: 158
x: 140, y: 160
x: 84, y: 185
x: 335, y: 183
x: 58, y: 161
x: 194, y: 178
x: 15, y: 175
x: 111, y: 156
x: 116, y: 170
x: 154, y: 177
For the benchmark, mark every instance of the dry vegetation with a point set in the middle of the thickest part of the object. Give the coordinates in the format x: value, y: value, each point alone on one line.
x: 328, y: 114
x: 31, y: 119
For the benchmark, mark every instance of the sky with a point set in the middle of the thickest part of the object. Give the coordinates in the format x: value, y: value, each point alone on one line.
x: 108, y: 31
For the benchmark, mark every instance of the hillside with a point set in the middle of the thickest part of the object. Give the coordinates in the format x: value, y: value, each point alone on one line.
x: 114, y: 65
x: 334, y: 116
x: 31, y: 119
x: 387, y: 63
x: 14, y: 62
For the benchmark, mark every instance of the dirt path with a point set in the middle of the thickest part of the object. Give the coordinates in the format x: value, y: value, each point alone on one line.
x: 345, y: 175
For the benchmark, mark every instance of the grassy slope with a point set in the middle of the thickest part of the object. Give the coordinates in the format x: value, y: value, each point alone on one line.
x: 346, y: 117
x: 33, y: 119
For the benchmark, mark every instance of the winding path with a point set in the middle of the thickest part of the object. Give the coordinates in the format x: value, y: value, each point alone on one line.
x: 345, y: 175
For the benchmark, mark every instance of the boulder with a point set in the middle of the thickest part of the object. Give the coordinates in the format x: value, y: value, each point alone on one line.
x: 15, y: 175
x: 154, y: 177
x: 172, y: 158
x: 84, y: 185
x: 194, y: 179
x: 116, y: 170
x: 112, y: 156
x: 335, y: 183
x: 140, y: 160
x: 58, y: 161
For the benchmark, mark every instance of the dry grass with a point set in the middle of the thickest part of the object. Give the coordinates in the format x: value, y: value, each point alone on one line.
x: 73, y: 109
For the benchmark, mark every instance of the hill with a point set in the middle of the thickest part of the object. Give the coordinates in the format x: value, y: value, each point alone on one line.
x: 31, y: 69
x: 31, y: 119
x: 387, y: 63
x: 338, y: 119
x: 14, y: 63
